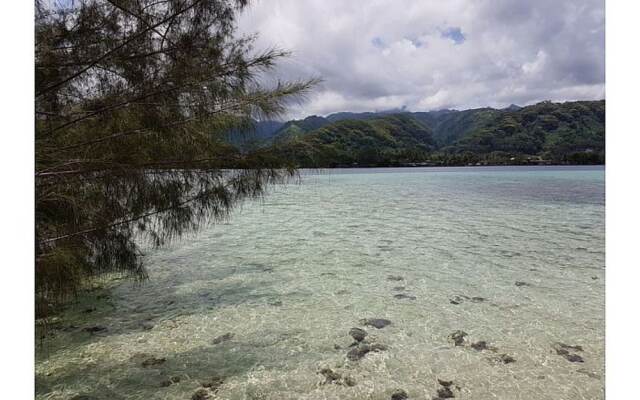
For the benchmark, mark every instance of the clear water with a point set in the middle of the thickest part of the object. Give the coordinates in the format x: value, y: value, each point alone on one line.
x: 289, y: 276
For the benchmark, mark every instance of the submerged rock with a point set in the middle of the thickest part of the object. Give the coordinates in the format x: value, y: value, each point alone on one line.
x: 152, y: 361
x: 377, y: 323
x: 458, y: 337
x: 336, y: 378
x: 563, y: 350
x: 399, y: 394
x: 478, y: 299
x: 200, y: 394
x: 170, y: 381
x: 445, y: 393
x: 402, y: 296
x: 223, y: 338
x: 479, y: 346
x: 95, y: 329
x: 521, y: 283
x: 506, y: 359
x: 363, y: 349
x: 214, y: 383
x: 395, y: 278
x: 358, y: 334
x: 445, y: 383
x: 398, y: 288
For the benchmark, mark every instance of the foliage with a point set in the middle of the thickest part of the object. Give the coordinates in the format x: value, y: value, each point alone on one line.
x: 571, y: 132
x: 133, y: 101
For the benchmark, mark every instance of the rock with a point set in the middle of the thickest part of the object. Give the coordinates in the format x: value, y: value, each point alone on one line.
x: 478, y: 299
x: 377, y: 323
x: 330, y: 375
x: 458, y: 337
x: 349, y: 381
x: 200, y: 394
x: 563, y: 350
x: 395, y: 278
x: 151, y: 361
x: 569, y: 347
x: 520, y: 283
x: 342, y: 292
x: 89, y: 310
x: 445, y: 383
x: 95, y: 329
x: 336, y: 346
x: 223, y: 338
x: 214, y: 383
x: 398, y: 288
x: 506, y: 359
x: 404, y: 296
x: 170, y: 381
x: 399, y: 394
x: 276, y: 303
x: 362, y: 350
x: 594, y: 277
x: 147, y: 326
x: 358, y: 334
x: 445, y: 393
x: 574, y: 358
x: 479, y: 346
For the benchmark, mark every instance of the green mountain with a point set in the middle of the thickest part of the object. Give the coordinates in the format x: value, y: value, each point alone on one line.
x: 571, y: 132
x: 388, y: 140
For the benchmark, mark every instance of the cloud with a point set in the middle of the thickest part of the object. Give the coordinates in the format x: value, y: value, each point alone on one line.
x: 427, y: 55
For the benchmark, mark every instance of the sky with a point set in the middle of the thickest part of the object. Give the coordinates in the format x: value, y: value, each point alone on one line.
x: 426, y: 55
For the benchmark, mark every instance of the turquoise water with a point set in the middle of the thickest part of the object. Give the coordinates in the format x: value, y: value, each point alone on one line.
x: 288, y: 277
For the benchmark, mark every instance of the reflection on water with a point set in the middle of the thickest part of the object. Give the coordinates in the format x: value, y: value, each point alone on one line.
x: 261, y: 307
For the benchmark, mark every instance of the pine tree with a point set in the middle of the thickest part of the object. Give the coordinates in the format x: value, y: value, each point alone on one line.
x: 133, y: 102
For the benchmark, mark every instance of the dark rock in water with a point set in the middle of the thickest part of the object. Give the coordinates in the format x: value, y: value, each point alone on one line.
x: 445, y: 383
x: 404, y: 296
x: 276, y: 303
x: 200, y: 394
x: 453, y: 301
x: 330, y: 375
x: 337, y: 346
x: 569, y: 347
x: 335, y: 378
x: 70, y: 328
x: 478, y: 299
x: 395, y: 278
x: 399, y: 394
x: 378, y: 323
x: 89, y: 310
x: 358, y: 334
x: 574, y: 358
x: 563, y: 350
x: 349, y: 381
x: 481, y: 345
x: 223, y: 338
x: 399, y: 288
x: 362, y: 350
x: 520, y: 283
x: 328, y: 274
x: 214, y: 383
x: 594, y: 277
x: 170, y: 381
x: 458, y: 337
x: 152, y: 361
x: 147, y: 326
x: 342, y: 291
x: 445, y: 393
x: 95, y: 329
x: 506, y: 359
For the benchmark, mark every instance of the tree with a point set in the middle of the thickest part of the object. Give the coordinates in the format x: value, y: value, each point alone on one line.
x: 133, y: 102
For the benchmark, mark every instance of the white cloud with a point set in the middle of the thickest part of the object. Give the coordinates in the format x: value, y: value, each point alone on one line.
x: 432, y: 54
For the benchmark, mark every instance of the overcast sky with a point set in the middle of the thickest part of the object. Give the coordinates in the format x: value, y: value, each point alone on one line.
x: 434, y: 54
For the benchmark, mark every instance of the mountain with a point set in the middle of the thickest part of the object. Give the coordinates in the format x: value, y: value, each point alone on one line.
x: 571, y: 132
x: 386, y: 140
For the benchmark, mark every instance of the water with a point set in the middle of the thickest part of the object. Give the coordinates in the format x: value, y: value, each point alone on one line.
x: 289, y: 276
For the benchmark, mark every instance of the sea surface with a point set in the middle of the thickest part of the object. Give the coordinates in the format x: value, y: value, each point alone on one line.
x: 260, y: 307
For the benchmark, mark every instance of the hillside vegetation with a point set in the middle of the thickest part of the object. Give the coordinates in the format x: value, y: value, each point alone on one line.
x: 544, y: 133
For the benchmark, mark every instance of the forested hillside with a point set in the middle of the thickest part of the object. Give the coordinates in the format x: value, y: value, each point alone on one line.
x: 544, y: 133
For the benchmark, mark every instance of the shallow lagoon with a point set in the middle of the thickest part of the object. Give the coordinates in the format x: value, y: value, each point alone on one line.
x: 288, y: 277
